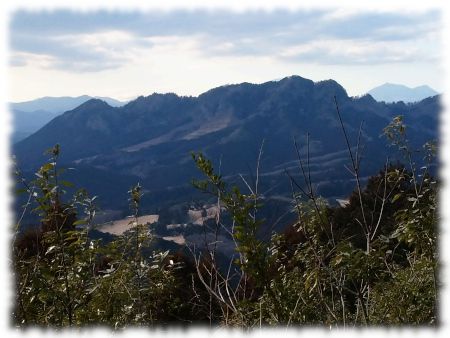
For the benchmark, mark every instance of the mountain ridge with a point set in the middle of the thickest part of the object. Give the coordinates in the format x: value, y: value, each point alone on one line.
x: 59, y: 104
x: 30, y: 116
x: 151, y: 138
x: 391, y: 92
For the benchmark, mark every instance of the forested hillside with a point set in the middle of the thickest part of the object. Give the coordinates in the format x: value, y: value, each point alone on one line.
x: 150, y: 140
x: 370, y: 261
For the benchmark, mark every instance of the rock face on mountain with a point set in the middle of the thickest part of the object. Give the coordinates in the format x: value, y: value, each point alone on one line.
x: 150, y: 139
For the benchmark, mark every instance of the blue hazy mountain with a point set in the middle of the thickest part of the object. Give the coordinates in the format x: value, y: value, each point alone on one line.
x: 390, y: 92
x: 59, y: 104
x: 29, y: 116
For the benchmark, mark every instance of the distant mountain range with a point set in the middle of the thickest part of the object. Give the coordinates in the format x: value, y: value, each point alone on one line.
x: 390, y: 92
x: 149, y: 140
x: 29, y: 116
x: 60, y: 104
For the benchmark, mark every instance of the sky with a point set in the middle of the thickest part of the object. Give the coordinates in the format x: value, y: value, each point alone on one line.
x: 127, y: 53
x: 47, y: 51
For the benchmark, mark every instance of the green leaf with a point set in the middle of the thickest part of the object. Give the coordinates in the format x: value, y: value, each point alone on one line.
x: 67, y: 184
x: 396, y: 197
x: 47, y: 167
x: 81, y: 221
x: 21, y: 191
x: 50, y: 249
x: 337, y: 260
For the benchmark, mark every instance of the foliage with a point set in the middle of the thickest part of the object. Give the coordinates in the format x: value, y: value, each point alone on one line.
x: 373, y: 261
x: 65, y: 278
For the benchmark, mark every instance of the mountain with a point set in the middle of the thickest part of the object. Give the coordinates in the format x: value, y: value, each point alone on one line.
x: 149, y: 140
x: 30, y: 116
x: 390, y: 92
x: 26, y: 123
x: 59, y: 104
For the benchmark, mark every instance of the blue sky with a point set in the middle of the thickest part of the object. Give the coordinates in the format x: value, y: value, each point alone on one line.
x: 124, y: 54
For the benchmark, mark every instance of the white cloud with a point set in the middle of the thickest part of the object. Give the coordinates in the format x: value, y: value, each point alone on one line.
x: 142, y: 52
x: 21, y: 59
x: 359, y: 51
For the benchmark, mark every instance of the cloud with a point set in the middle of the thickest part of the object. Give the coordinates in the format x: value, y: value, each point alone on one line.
x: 95, y: 41
x: 80, y: 51
x: 357, y: 52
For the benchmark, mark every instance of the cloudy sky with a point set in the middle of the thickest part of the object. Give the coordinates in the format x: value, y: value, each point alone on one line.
x: 123, y: 54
